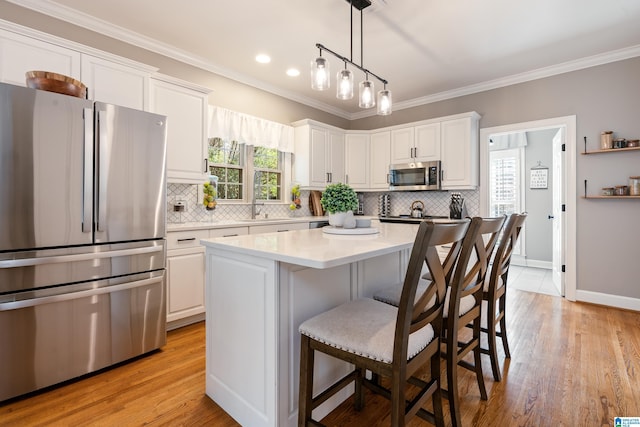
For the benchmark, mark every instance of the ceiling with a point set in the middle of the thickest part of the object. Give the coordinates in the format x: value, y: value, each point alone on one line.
x: 427, y: 49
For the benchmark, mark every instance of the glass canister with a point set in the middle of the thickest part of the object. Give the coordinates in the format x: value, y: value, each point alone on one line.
x: 606, y: 140
x: 634, y: 185
x: 621, y: 190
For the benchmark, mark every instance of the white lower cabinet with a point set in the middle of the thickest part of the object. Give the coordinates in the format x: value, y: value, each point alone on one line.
x: 185, y: 284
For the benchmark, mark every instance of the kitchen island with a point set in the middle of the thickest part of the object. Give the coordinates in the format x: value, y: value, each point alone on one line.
x: 260, y: 288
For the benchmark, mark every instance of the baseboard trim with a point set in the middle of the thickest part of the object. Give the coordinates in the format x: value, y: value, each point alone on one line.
x: 609, y: 300
x: 539, y: 264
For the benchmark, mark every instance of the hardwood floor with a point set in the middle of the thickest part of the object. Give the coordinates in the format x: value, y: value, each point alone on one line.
x: 572, y: 364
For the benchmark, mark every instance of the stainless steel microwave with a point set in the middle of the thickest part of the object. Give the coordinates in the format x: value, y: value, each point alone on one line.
x: 417, y: 176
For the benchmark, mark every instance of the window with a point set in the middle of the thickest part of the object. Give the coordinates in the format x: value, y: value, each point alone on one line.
x: 234, y: 164
x: 226, y: 161
x: 504, y: 177
x: 267, y: 166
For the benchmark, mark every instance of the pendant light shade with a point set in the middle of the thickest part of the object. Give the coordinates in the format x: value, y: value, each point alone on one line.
x: 384, y: 102
x: 345, y: 84
x: 320, y: 78
x: 367, y: 94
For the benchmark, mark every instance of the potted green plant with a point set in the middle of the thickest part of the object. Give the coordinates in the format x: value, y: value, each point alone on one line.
x: 337, y: 200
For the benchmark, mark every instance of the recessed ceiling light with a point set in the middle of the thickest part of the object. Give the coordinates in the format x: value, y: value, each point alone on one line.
x: 293, y: 72
x: 263, y: 58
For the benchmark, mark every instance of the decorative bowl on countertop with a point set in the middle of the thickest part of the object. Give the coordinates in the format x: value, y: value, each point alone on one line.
x: 54, y: 82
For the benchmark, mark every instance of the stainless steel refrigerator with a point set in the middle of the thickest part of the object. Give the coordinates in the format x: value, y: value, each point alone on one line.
x: 82, y: 236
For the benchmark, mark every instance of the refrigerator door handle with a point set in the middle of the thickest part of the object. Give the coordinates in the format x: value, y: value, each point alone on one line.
x: 103, y: 167
x: 29, y: 262
x: 87, y: 185
x: 14, y: 305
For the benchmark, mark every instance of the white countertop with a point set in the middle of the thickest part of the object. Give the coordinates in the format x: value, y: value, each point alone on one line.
x: 226, y: 223
x: 316, y: 249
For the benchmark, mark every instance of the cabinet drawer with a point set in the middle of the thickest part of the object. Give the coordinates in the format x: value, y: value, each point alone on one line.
x: 228, y: 232
x: 185, y: 239
x: 272, y: 228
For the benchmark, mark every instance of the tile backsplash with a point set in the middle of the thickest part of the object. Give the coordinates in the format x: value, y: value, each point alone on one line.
x: 436, y: 203
x: 196, y: 212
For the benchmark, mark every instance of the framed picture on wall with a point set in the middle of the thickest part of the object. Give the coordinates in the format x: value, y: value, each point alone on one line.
x: 539, y: 178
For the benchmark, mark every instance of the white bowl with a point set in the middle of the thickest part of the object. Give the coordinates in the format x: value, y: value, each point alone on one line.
x: 363, y: 222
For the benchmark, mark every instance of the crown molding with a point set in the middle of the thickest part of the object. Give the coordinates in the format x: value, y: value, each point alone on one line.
x: 48, y: 7
x: 540, y: 73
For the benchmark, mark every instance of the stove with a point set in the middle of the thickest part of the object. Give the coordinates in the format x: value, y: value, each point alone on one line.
x: 406, y: 219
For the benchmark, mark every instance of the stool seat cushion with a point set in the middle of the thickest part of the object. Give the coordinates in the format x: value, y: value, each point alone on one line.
x: 364, y: 327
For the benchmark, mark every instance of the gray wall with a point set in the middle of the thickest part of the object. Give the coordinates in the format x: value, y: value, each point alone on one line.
x: 605, y: 97
x: 539, y: 202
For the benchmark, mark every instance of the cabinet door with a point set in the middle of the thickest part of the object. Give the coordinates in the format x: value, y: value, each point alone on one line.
x: 357, y: 161
x: 336, y: 163
x: 186, y: 112
x: 459, y: 150
x: 427, y: 142
x: 380, y: 155
x: 185, y: 283
x: 114, y: 83
x: 19, y: 54
x: 402, y: 145
x: 319, y: 153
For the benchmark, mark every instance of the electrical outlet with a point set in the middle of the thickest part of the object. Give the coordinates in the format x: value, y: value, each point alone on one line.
x: 180, y: 206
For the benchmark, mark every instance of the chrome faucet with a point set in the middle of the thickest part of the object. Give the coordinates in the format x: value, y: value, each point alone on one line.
x: 255, y: 212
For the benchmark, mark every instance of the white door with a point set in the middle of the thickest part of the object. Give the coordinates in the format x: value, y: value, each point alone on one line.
x: 558, y: 215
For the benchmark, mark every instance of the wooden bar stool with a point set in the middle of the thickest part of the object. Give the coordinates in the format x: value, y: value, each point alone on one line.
x: 495, y: 290
x: 463, y: 303
x: 391, y: 342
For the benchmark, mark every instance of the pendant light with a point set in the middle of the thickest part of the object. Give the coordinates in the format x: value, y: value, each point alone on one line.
x: 320, y: 78
x: 367, y: 96
x: 345, y: 84
x: 384, y: 102
x: 367, y: 91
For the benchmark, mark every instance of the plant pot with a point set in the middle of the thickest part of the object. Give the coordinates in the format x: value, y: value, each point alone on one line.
x: 337, y: 219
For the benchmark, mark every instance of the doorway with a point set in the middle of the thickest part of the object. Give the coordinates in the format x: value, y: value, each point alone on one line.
x: 562, y: 164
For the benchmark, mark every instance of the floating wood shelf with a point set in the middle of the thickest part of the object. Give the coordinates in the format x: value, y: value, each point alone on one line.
x: 611, y: 197
x: 611, y: 150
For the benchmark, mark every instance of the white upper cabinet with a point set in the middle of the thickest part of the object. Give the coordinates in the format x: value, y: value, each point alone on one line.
x: 459, y: 153
x: 415, y: 143
x: 319, y: 155
x: 186, y: 108
x: 380, y: 158
x: 115, y: 82
x: 427, y: 142
x: 357, y: 160
x: 403, y: 145
x: 19, y: 54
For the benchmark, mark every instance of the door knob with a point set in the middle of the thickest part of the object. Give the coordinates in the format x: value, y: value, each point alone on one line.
x: 550, y: 216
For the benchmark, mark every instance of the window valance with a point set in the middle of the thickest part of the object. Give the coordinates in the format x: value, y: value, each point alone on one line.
x: 250, y: 130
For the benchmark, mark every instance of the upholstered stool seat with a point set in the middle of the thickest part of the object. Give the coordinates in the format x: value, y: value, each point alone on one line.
x: 364, y: 327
